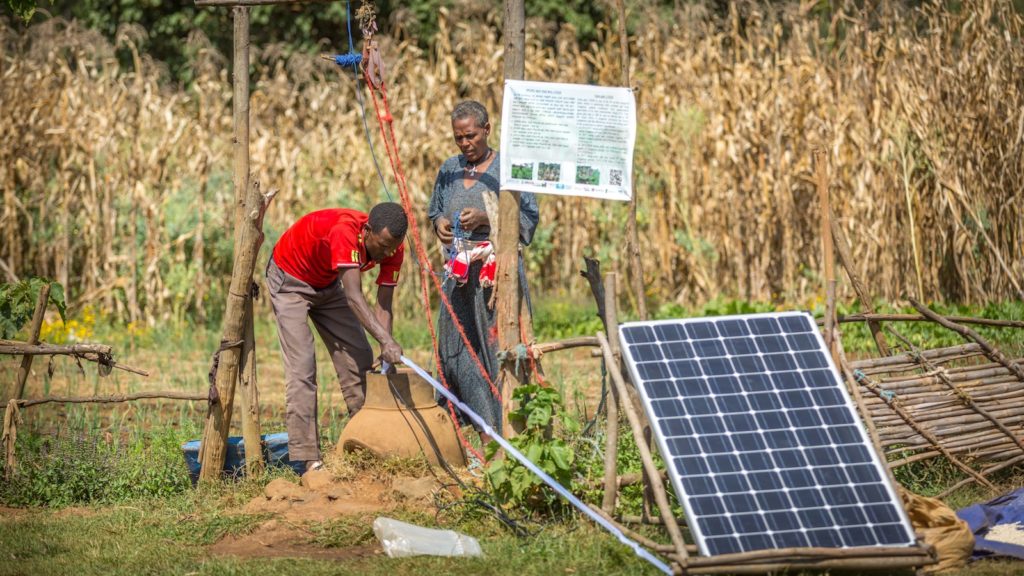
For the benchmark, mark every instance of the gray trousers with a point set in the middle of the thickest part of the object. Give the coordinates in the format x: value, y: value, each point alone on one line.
x: 293, y: 302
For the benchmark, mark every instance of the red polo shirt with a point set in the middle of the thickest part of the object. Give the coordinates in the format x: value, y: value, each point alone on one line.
x: 318, y: 244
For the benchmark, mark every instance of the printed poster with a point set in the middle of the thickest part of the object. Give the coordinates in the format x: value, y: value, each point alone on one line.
x: 569, y: 139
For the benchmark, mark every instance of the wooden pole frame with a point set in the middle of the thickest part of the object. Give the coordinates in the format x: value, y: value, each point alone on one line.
x: 238, y: 317
x: 218, y: 423
x: 509, y: 305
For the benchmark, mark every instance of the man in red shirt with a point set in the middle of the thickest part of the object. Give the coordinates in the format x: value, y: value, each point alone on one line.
x: 315, y: 273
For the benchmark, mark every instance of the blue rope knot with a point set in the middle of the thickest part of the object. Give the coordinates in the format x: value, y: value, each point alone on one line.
x: 350, y: 60
x: 888, y: 395
x: 521, y: 353
x: 859, y: 376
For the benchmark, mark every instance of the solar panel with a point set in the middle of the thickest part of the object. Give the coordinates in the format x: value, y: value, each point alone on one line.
x: 762, y: 443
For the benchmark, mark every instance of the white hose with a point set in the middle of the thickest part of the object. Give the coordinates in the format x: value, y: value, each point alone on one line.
x: 509, y: 449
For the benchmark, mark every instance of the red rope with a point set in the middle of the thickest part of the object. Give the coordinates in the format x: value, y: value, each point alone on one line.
x: 425, y: 268
x: 396, y: 167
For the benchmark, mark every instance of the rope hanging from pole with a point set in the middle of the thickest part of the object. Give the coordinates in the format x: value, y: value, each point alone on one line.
x: 353, y: 60
x: 373, y: 73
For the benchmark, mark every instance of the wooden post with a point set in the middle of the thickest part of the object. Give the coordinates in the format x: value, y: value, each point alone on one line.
x: 821, y: 177
x: 611, y: 444
x: 507, y: 285
x: 247, y: 238
x: 593, y: 276
x: 218, y: 421
x: 633, y: 240
x: 33, y: 338
x: 250, y: 394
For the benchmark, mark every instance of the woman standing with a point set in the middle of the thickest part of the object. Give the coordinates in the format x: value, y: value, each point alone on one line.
x: 464, y: 203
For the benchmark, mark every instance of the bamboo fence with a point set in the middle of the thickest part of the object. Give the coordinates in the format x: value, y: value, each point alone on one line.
x: 950, y: 402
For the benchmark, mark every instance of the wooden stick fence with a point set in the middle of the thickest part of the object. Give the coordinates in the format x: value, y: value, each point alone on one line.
x: 920, y: 318
x: 102, y: 354
x: 99, y: 353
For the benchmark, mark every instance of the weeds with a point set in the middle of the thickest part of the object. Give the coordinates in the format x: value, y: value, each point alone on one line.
x: 85, y: 467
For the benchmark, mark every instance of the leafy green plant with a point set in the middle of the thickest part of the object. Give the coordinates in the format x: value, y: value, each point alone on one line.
x: 512, y: 482
x: 18, y: 302
x: 23, y: 9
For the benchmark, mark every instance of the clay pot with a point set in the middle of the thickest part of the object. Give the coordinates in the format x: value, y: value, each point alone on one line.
x: 401, y: 418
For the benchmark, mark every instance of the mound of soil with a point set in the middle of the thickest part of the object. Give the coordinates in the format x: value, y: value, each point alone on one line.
x: 320, y: 497
x: 279, y: 540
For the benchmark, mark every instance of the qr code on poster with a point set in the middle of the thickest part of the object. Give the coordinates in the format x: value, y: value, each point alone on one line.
x: 615, y: 177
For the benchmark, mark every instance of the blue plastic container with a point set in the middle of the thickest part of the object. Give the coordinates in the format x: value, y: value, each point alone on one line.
x: 275, y: 453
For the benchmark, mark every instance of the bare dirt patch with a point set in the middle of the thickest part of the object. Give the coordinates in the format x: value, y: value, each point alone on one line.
x: 74, y: 512
x: 321, y: 497
x: 318, y: 498
x: 7, y: 512
x: 276, y: 539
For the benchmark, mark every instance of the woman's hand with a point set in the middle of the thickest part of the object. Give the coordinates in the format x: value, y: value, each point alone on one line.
x: 443, y: 229
x: 473, y: 218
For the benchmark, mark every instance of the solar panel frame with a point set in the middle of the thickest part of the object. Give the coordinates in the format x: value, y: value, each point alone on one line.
x: 682, y: 392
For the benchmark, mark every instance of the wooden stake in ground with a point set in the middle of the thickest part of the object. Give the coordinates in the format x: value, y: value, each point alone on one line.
x: 507, y: 282
x: 10, y: 437
x: 843, y: 249
x: 33, y: 338
x: 247, y: 236
x: 611, y: 445
x: 250, y: 393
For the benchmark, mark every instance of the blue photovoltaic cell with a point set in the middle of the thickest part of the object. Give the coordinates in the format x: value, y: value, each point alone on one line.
x: 763, y: 445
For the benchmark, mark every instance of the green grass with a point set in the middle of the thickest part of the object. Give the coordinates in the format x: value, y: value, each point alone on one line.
x: 141, y: 515
x: 168, y: 537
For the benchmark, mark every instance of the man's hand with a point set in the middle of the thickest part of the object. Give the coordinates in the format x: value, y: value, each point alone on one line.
x: 473, y: 218
x: 443, y: 228
x: 391, y: 352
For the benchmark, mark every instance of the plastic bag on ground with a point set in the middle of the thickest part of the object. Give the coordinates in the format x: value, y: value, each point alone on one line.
x: 400, y: 539
x: 998, y: 525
